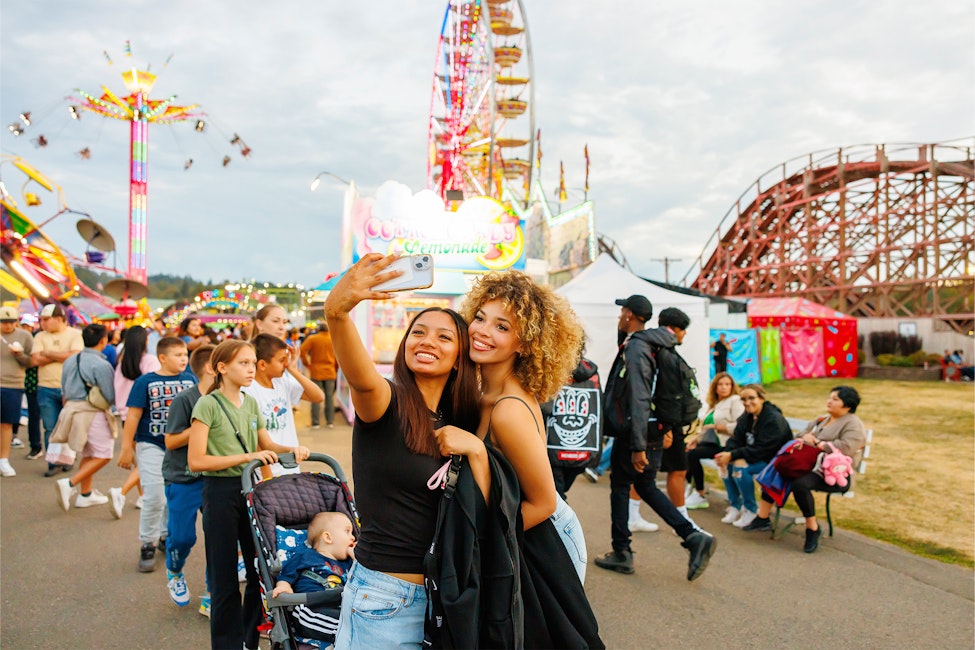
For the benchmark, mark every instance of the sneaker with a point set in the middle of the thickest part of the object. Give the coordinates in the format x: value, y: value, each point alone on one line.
x: 118, y: 502
x: 731, y: 515
x: 5, y: 468
x: 138, y: 503
x: 161, y: 545
x: 57, y: 469
x: 619, y: 561
x: 701, y: 546
x: 591, y: 475
x: 147, y: 558
x: 330, y: 426
x: 178, y: 590
x: 758, y: 524
x: 746, y: 518
x: 96, y: 498
x: 205, y: 605
x: 17, y: 443
x: 316, y: 426
x: 642, y: 526
x: 64, y: 492
x: 241, y: 569
x: 812, y: 540
x: 34, y: 455
x: 696, y: 501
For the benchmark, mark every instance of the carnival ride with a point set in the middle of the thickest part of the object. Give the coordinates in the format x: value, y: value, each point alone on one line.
x: 482, y: 123
x: 36, y: 268
x: 871, y: 231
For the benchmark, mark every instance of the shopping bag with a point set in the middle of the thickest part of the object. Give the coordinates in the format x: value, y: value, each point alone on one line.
x: 59, y: 453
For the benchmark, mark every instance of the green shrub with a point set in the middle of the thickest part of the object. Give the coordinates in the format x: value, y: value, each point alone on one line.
x: 902, y: 362
x: 885, y: 359
x: 918, y: 358
x: 861, y: 357
x: 934, y: 359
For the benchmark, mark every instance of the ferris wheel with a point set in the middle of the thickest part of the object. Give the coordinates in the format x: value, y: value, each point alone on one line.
x: 482, y: 123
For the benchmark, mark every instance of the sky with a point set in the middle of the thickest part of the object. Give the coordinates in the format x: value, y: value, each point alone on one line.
x: 682, y: 106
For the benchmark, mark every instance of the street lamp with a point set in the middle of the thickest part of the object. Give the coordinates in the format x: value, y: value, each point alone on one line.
x: 318, y: 180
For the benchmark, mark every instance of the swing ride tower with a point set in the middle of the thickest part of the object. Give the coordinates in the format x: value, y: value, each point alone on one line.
x: 140, y: 111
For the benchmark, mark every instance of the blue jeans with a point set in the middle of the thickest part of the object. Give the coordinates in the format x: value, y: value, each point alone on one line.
x: 740, y: 485
x: 184, y: 500
x: 570, y: 530
x: 380, y: 611
x: 49, y: 401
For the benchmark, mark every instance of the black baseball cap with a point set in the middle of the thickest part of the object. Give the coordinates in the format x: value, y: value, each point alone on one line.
x: 637, y: 304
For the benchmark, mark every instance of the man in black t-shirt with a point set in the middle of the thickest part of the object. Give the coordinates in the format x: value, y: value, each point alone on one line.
x: 720, y: 348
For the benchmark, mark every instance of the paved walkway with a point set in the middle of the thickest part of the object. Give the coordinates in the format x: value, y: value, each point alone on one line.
x: 70, y: 581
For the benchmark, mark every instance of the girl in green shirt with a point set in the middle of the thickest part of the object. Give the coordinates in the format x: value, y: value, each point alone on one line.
x: 226, y: 433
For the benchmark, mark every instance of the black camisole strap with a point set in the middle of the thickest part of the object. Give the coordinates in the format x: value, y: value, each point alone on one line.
x: 537, y: 430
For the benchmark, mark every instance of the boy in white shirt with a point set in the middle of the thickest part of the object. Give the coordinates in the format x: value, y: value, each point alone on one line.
x: 278, y: 385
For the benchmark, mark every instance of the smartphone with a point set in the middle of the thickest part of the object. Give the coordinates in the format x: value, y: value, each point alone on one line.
x: 417, y: 274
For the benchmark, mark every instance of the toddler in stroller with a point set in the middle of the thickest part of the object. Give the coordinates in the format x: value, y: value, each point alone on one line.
x: 283, y: 511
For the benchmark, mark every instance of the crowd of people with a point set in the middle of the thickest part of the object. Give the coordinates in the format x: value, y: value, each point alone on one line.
x: 193, y: 407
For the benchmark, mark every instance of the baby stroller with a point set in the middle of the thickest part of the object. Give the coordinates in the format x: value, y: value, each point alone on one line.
x: 280, y: 510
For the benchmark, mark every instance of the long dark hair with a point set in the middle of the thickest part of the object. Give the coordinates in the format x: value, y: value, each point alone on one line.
x: 458, y: 403
x: 135, y: 347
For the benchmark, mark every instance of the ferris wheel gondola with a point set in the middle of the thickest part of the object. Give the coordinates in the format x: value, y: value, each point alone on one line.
x: 482, y: 105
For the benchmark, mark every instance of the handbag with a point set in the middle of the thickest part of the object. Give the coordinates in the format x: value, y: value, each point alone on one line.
x: 798, y: 459
x: 92, y: 392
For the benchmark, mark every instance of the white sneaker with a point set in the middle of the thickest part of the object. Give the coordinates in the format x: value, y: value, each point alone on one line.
x: 5, y: 468
x: 642, y: 526
x: 695, y: 501
x: 747, y: 517
x: 731, y: 515
x: 17, y: 443
x: 178, y: 590
x: 138, y: 503
x: 591, y: 475
x: 96, y: 498
x: 64, y: 492
x: 118, y: 502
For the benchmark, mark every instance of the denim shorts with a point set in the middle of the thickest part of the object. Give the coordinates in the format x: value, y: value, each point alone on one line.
x: 10, y: 399
x: 570, y: 530
x: 380, y: 611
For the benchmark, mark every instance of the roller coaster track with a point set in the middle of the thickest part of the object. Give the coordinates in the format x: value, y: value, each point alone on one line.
x: 870, y: 230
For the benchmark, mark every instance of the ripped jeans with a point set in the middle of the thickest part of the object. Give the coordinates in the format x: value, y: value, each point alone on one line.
x: 740, y: 484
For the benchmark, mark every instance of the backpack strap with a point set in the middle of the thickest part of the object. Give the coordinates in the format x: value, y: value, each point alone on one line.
x: 240, y: 438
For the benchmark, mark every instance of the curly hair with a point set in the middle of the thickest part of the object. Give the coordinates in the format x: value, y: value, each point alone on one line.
x: 546, y: 325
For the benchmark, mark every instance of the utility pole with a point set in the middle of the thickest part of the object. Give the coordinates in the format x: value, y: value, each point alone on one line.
x: 666, y: 261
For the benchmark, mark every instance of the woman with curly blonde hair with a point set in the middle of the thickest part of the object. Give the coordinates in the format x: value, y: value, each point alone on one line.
x: 525, y: 339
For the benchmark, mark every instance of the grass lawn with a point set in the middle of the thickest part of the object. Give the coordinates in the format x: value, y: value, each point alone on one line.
x: 919, y: 487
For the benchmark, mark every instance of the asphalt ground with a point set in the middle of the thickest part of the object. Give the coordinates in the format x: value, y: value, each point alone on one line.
x: 69, y: 580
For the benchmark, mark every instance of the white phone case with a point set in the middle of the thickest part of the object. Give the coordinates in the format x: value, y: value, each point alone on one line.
x: 417, y: 274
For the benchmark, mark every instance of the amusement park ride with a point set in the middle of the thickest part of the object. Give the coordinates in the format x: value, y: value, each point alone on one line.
x: 38, y: 269
x: 482, y: 122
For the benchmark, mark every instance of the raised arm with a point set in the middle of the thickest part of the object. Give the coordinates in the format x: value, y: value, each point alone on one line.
x: 370, y: 392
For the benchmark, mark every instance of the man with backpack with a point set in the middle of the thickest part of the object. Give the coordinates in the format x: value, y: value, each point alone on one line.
x: 629, y: 400
x: 573, y: 426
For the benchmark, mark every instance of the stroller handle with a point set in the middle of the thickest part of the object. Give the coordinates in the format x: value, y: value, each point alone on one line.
x: 288, y: 460
x: 327, y: 598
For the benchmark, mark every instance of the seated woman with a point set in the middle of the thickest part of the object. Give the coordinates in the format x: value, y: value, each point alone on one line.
x: 759, y: 434
x: 840, y: 428
x: 725, y: 408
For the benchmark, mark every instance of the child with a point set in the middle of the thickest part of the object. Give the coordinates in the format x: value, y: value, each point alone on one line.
x: 320, y: 565
x: 184, y: 489
x: 277, y: 386
x: 226, y: 433
x: 143, y: 438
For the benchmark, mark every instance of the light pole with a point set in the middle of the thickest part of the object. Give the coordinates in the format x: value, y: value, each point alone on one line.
x: 318, y: 180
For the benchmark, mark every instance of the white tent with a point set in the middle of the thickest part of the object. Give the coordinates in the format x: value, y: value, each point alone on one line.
x: 593, y: 293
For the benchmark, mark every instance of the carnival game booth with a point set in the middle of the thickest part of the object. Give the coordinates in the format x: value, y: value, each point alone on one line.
x: 481, y: 235
x: 593, y: 293
x: 800, y: 339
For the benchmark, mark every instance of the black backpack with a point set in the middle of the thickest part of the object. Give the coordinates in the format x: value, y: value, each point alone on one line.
x: 574, y: 425
x: 676, y: 397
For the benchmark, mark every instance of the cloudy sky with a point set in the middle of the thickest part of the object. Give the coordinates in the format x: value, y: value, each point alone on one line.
x: 682, y: 105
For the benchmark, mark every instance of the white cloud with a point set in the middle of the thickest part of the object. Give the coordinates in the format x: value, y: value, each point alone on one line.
x: 682, y: 106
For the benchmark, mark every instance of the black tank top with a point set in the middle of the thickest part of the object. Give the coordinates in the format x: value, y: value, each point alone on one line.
x: 398, y: 512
